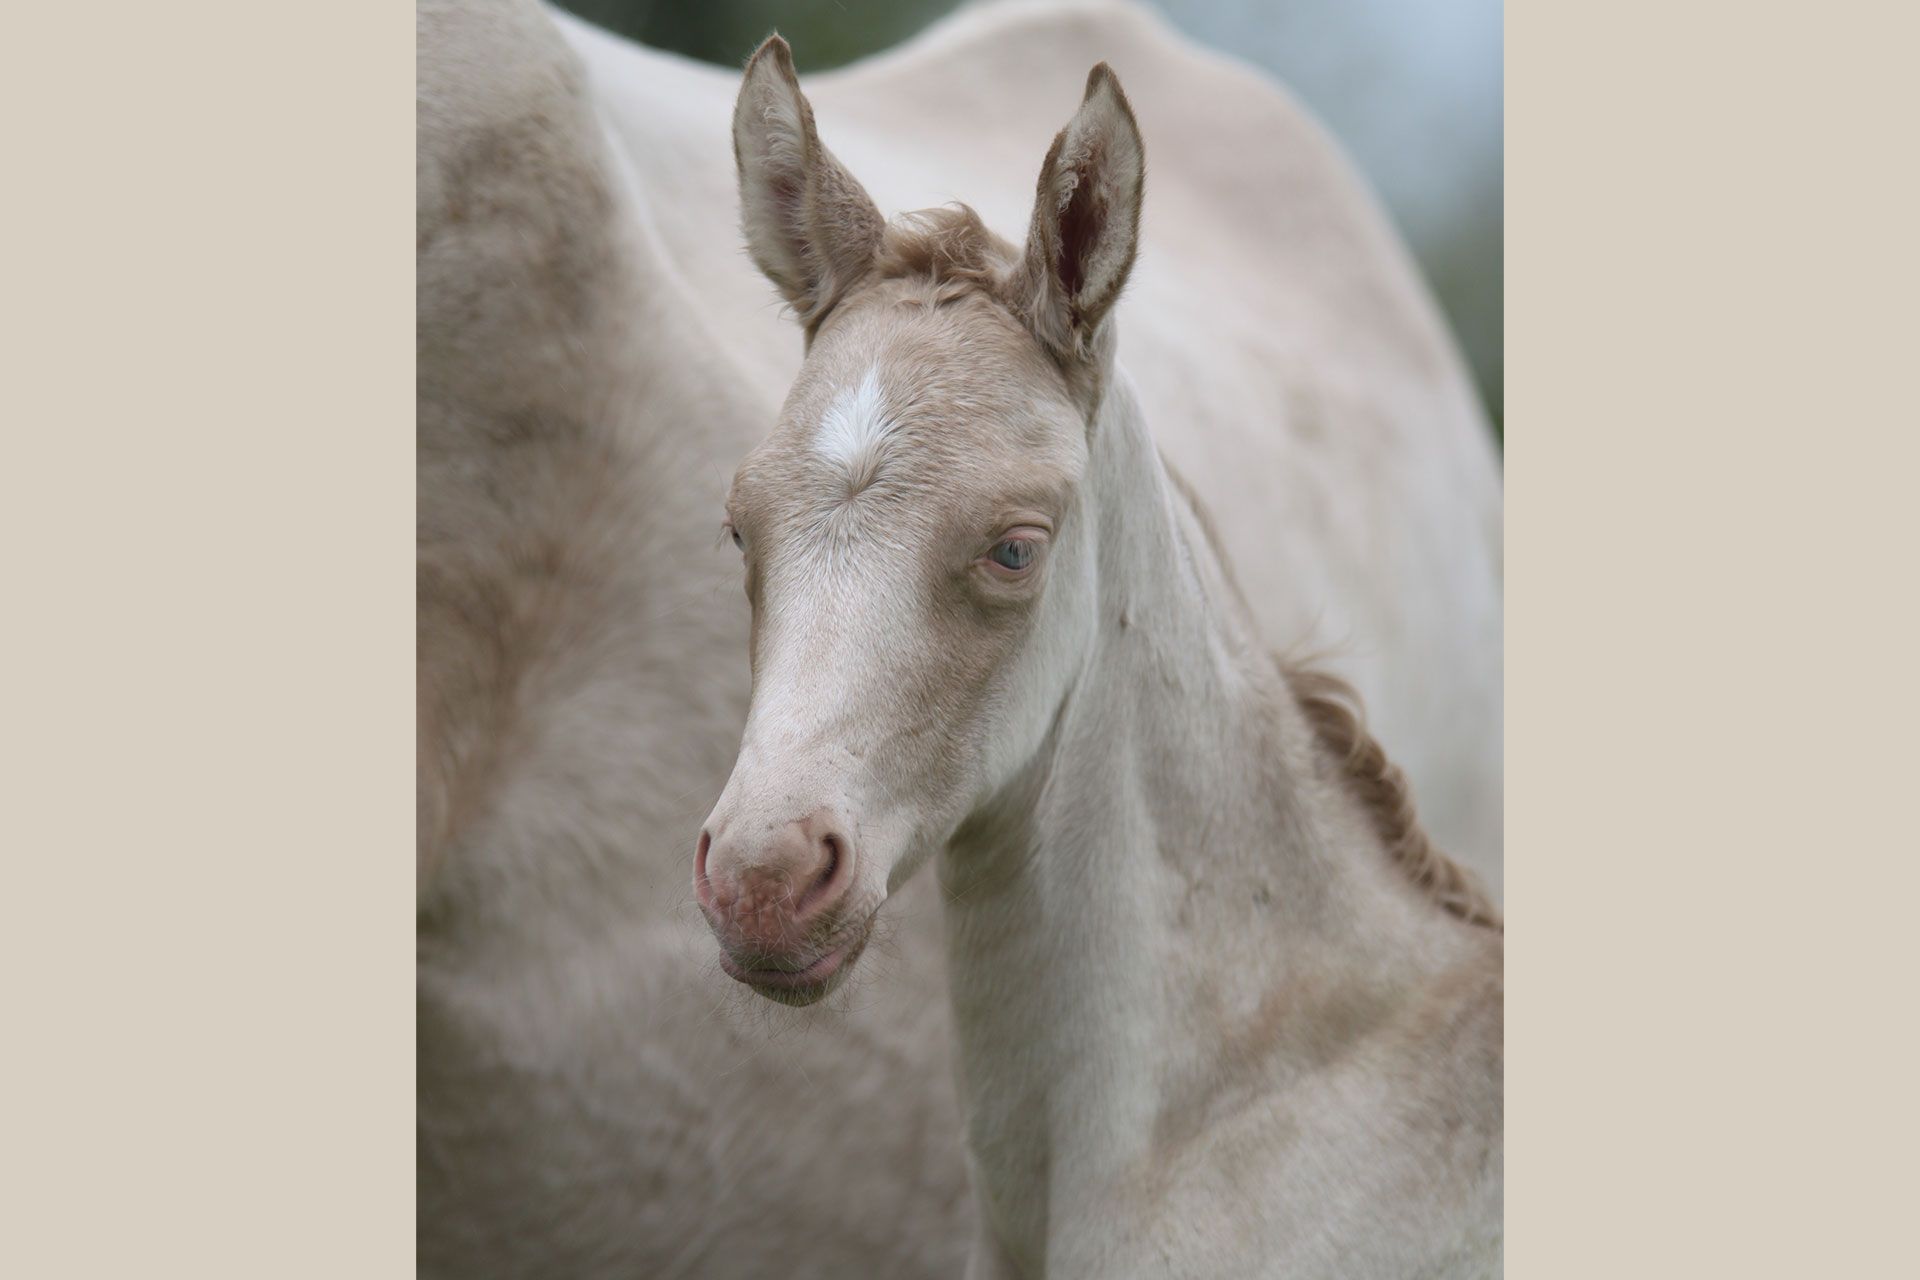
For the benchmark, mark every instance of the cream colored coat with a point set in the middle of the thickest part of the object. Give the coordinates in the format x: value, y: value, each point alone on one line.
x: 595, y: 353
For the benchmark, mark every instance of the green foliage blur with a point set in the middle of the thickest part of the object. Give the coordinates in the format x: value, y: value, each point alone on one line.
x: 824, y: 33
x: 1410, y: 87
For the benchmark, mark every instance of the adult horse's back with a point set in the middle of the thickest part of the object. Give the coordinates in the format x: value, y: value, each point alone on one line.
x: 595, y: 354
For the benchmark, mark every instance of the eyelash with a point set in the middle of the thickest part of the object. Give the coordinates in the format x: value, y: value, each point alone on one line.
x: 1023, y: 546
x: 1032, y: 540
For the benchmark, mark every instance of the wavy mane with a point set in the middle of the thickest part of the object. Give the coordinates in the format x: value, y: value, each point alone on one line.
x: 947, y: 246
x: 1333, y: 708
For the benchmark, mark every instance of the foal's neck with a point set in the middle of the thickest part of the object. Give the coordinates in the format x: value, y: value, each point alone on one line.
x: 1181, y: 868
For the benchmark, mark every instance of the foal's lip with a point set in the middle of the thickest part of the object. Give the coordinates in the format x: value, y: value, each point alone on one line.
x: 783, y: 979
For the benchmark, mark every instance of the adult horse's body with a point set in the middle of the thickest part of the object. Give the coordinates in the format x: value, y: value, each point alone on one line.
x: 594, y: 354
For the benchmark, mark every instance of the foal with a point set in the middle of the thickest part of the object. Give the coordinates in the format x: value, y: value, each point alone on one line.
x: 1221, y: 1009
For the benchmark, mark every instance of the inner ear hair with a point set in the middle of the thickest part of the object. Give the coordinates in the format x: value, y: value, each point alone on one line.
x: 810, y: 226
x: 1086, y: 223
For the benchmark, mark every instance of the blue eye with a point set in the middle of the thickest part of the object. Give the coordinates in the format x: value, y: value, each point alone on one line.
x: 1014, y: 554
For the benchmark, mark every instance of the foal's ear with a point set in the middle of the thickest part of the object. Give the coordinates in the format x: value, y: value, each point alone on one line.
x: 810, y: 226
x: 1086, y: 221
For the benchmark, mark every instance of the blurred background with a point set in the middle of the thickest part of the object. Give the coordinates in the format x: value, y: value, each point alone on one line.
x: 1412, y: 88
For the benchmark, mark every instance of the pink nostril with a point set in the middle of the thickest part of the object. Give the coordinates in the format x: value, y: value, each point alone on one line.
x: 829, y: 881
x: 763, y: 894
x: 702, y: 889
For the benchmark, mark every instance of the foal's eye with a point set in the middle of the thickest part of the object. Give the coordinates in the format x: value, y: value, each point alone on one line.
x: 735, y: 535
x: 1013, y: 554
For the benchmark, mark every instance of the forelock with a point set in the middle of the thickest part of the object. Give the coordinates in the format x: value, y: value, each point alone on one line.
x: 950, y: 249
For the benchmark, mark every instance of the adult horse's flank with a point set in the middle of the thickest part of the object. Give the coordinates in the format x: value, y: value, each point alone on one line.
x: 1221, y: 1008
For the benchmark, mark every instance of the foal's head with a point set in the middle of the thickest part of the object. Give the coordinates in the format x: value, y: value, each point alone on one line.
x: 921, y: 588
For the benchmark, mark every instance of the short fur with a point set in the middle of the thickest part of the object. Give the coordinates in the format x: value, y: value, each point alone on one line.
x: 1223, y: 1008
x: 951, y: 251
x: 594, y: 1097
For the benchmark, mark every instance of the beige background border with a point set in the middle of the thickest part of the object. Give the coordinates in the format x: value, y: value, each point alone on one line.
x: 1711, y: 587
x: 207, y: 472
